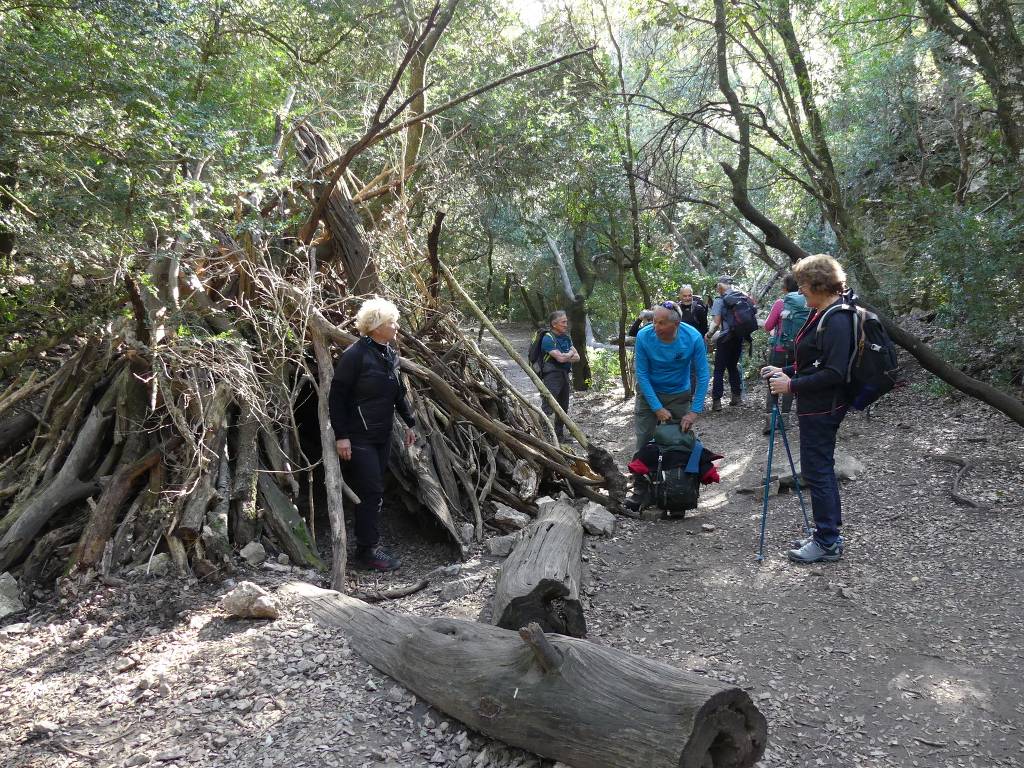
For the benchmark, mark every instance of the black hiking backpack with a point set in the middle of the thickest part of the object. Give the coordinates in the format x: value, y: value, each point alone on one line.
x: 741, y: 315
x: 536, y: 353
x: 874, y: 368
x: 676, y: 490
x: 673, y: 480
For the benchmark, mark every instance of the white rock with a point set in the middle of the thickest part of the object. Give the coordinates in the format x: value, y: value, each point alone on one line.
x: 510, y: 519
x: 270, y: 565
x: 253, y: 553
x: 8, y: 586
x: 44, y: 727
x: 500, y: 546
x: 10, y: 600
x: 453, y: 590
x: 159, y: 565
x: 598, y: 521
x: 249, y: 601
x: 847, y: 468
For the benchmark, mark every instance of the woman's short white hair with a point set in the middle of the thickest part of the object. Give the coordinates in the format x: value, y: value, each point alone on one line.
x: 375, y: 313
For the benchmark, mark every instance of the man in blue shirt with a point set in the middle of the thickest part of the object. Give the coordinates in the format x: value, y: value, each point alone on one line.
x: 666, y: 351
x: 558, y: 355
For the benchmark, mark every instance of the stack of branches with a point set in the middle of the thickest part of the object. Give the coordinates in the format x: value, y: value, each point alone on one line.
x: 173, y: 432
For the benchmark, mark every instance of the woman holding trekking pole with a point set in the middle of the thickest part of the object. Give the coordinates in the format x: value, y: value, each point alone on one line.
x: 817, y: 379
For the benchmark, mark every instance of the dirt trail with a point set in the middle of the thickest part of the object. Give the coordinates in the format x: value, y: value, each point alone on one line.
x: 906, y: 653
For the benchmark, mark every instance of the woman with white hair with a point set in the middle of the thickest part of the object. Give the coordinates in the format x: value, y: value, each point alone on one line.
x: 366, y: 391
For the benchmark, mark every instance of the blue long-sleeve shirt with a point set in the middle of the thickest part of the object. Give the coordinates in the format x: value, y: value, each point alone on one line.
x: 665, y: 366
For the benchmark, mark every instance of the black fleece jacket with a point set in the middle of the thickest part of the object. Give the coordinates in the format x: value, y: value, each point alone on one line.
x: 366, y: 391
x: 822, y: 359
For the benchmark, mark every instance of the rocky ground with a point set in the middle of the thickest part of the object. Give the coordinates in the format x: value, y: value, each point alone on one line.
x: 906, y: 653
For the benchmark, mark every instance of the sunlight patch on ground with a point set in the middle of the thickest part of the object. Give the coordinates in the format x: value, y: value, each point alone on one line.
x: 730, y: 468
x: 950, y: 693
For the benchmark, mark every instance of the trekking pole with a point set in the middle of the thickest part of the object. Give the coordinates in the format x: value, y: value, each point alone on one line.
x: 808, y: 529
x: 768, y: 474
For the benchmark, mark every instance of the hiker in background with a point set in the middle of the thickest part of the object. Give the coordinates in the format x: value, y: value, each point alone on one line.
x: 732, y: 315
x: 557, y: 356
x: 694, y: 311
x: 366, y: 391
x: 666, y: 351
x: 784, y: 321
x: 818, y: 380
x: 643, y: 319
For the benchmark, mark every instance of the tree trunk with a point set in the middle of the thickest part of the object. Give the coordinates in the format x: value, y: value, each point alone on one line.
x: 332, y: 466
x: 287, y: 525
x: 576, y: 310
x: 540, y: 579
x: 104, y: 515
x: 536, y: 317
x: 565, y: 699
x: 65, y: 488
x: 16, y: 429
x: 993, y: 42
x: 624, y: 372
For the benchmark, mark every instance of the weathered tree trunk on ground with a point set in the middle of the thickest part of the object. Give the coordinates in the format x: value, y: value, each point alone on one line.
x: 540, y: 579
x: 565, y: 699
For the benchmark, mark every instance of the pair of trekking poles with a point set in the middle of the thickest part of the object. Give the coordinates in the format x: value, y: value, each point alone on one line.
x: 777, y: 425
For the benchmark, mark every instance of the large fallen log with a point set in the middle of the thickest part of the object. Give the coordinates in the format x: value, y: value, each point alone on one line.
x: 540, y: 579
x: 566, y: 699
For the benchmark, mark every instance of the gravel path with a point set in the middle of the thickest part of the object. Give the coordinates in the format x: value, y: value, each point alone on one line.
x: 906, y: 653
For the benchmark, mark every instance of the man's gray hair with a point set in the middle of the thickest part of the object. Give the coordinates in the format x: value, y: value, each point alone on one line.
x: 673, y: 309
x: 686, y: 287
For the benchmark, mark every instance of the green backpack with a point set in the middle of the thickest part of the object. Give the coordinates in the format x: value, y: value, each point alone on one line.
x: 794, y: 314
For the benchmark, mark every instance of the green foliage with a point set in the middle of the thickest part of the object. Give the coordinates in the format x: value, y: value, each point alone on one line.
x: 604, y: 369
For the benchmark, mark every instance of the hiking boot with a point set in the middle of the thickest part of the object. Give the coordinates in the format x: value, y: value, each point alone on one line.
x: 736, y: 400
x: 376, y: 559
x: 798, y: 543
x: 813, y: 552
x: 634, y: 504
x: 716, y: 404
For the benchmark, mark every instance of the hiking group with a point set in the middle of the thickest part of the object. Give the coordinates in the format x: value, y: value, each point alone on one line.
x: 825, y: 351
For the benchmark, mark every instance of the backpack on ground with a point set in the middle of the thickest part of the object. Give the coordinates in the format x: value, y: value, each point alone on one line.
x: 536, y: 353
x: 740, y: 314
x: 677, y: 489
x: 794, y: 314
x: 672, y: 482
x: 874, y: 368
